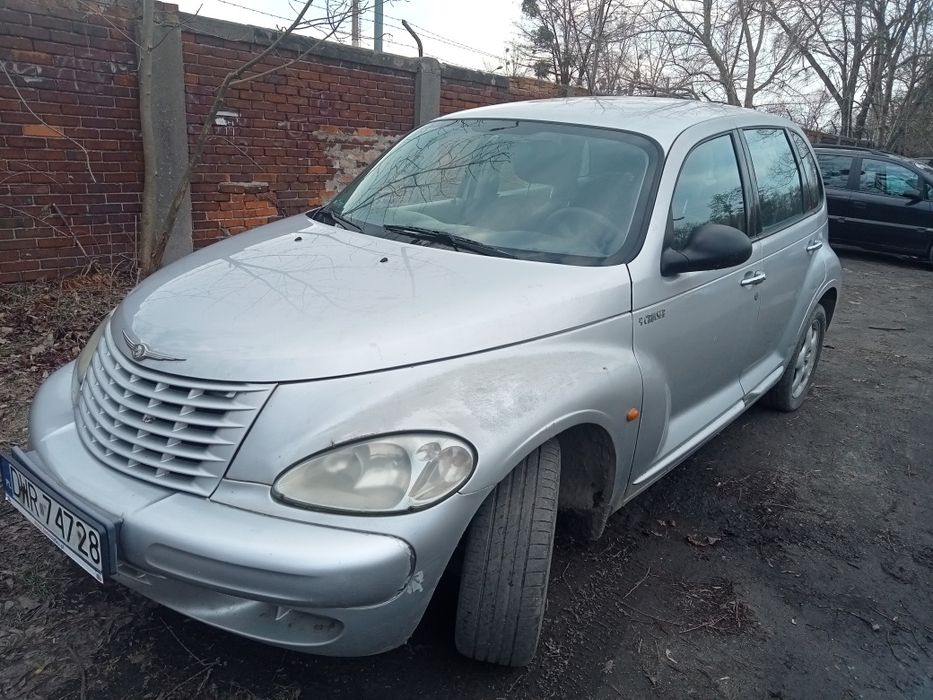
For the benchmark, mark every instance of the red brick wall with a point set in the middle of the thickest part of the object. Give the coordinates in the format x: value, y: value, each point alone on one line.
x: 533, y: 89
x: 290, y: 141
x: 75, y: 70
x: 463, y: 94
x: 458, y: 93
x: 303, y: 131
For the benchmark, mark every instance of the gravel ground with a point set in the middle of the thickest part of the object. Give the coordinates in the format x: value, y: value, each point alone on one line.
x: 792, y: 557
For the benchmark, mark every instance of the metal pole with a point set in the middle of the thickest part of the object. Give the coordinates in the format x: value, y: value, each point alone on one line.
x: 377, y: 26
x: 355, y: 27
x: 417, y: 40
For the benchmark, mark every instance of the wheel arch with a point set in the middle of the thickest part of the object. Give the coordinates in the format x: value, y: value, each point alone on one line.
x: 589, y: 473
x: 588, y: 478
x: 828, y: 302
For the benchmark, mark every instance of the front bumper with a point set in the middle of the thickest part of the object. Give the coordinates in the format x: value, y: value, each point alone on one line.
x: 302, y: 585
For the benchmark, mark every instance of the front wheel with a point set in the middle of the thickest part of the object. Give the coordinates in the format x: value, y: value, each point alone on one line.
x: 788, y: 394
x: 506, y: 563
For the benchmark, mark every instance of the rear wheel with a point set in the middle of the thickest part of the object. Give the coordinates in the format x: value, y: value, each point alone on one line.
x: 506, y: 563
x: 789, y: 393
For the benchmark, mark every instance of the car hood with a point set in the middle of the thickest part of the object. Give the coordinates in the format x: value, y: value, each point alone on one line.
x: 298, y: 299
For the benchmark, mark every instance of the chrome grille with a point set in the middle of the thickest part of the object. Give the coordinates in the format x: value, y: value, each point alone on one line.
x: 173, y: 431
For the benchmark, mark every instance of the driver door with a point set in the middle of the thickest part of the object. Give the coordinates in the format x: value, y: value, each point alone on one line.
x: 692, y: 331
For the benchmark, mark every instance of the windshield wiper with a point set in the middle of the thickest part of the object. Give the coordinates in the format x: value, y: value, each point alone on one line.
x: 451, y: 240
x: 338, y: 219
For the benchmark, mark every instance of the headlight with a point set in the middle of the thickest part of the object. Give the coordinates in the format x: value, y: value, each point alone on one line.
x: 85, y: 357
x: 388, y: 474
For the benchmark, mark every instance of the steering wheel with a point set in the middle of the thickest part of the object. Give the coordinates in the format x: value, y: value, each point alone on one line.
x: 583, y: 225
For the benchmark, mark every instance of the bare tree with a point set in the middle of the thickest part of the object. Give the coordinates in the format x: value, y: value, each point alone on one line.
x: 732, y: 50
x: 868, y: 55
x: 834, y: 40
x: 901, y: 36
x: 811, y: 109
x: 910, y: 128
x: 155, y: 231
x: 567, y: 38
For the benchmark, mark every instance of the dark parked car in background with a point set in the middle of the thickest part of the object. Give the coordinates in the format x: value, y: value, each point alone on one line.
x: 878, y: 201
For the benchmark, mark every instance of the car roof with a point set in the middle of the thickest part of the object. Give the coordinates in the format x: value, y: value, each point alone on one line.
x: 862, y: 150
x: 660, y: 118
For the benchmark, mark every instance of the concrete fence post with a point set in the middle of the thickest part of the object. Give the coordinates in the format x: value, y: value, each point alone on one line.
x: 427, y: 90
x: 169, y: 118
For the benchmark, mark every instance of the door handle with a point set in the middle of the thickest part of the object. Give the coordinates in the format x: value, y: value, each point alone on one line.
x: 859, y: 205
x: 753, y: 278
x: 814, y: 246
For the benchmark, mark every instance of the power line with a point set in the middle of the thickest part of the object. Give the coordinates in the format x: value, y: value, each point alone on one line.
x: 253, y: 9
x: 427, y: 32
x: 446, y: 40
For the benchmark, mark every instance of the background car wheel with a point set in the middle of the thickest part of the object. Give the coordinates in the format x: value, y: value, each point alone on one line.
x: 788, y: 394
x: 506, y: 562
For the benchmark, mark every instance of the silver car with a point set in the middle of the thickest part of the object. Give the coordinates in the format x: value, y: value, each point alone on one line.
x: 518, y: 310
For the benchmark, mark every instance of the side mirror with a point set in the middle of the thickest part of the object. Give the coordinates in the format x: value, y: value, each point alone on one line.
x: 913, y: 195
x: 710, y: 247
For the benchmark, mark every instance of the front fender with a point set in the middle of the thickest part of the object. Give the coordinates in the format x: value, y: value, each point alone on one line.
x: 504, y: 401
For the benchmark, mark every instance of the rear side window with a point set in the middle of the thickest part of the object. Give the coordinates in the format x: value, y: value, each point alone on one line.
x: 709, y: 190
x: 835, y: 169
x: 879, y: 177
x: 779, y: 189
x: 813, y: 186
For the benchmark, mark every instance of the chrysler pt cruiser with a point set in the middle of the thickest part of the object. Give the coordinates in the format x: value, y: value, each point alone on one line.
x: 518, y: 310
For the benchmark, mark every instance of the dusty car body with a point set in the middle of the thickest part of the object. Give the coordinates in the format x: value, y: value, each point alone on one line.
x: 288, y: 434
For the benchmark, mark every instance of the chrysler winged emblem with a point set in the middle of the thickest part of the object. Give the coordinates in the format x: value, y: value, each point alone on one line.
x: 141, y: 351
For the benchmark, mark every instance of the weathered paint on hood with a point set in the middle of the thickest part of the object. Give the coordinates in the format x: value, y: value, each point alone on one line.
x: 298, y: 299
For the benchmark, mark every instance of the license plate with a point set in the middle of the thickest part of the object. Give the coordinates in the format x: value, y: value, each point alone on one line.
x: 87, y: 539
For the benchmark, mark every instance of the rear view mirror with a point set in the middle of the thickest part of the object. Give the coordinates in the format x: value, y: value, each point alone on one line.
x: 710, y: 247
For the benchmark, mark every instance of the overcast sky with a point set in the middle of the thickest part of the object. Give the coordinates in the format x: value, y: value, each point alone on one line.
x: 471, y: 33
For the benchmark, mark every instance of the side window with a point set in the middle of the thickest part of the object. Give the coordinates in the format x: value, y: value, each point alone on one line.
x: 708, y: 190
x: 880, y: 177
x: 835, y: 169
x: 779, y: 189
x: 814, y: 186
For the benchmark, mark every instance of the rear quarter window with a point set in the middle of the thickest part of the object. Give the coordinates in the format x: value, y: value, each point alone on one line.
x: 813, y: 185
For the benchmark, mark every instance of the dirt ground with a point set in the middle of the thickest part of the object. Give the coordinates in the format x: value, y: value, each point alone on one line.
x: 790, y: 558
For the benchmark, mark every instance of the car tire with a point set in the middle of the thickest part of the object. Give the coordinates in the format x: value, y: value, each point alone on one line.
x: 507, y: 561
x: 789, y: 393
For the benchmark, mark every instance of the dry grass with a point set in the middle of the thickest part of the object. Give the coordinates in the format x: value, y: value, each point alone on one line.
x: 44, y: 325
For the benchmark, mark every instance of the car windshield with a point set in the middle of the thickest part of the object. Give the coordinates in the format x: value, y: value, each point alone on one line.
x: 532, y: 190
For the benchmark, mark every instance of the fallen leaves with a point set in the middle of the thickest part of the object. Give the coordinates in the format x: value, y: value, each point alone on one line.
x: 705, y: 541
x: 44, y: 325
x: 49, y: 612
x: 44, y: 345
